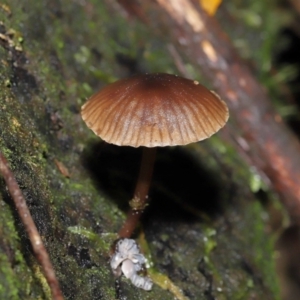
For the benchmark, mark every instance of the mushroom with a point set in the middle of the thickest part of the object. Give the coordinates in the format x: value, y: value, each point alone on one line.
x: 153, y: 110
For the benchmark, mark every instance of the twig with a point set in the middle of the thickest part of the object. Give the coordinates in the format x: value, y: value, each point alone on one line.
x: 34, y: 236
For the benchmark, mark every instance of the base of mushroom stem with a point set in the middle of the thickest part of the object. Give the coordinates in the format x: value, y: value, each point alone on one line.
x: 131, y: 223
x: 128, y: 260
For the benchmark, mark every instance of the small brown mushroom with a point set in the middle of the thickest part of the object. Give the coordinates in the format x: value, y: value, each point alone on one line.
x: 153, y: 110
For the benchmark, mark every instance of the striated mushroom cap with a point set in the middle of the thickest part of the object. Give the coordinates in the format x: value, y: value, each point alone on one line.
x: 154, y: 110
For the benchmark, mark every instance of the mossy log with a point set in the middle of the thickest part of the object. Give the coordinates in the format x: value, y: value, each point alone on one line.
x: 205, y: 229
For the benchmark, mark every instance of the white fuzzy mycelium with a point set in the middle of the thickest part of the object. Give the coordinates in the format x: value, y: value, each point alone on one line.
x: 128, y: 260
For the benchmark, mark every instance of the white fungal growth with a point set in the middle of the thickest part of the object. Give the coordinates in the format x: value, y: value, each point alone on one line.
x: 128, y: 260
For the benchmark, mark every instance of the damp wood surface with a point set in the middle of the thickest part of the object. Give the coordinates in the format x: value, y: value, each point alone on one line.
x: 205, y: 228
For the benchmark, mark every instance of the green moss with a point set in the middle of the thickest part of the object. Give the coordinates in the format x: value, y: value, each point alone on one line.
x: 13, y: 262
x: 264, y: 257
x: 101, y: 243
x: 9, y: 284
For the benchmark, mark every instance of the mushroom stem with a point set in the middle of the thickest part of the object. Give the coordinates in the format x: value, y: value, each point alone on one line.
x: 140, y: 197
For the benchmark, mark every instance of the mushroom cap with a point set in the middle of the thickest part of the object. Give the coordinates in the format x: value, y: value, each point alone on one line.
x: 154, y: 110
